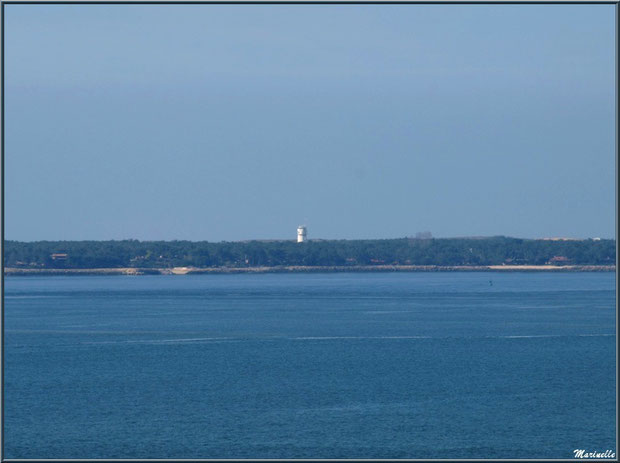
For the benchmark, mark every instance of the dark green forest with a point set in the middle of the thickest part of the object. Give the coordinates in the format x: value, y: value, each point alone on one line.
x: 404, y: 251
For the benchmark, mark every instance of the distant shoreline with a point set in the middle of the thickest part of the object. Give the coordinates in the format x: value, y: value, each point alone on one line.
x: 310, y: 269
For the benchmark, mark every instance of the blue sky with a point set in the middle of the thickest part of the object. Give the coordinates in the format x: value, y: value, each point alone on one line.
x: 234, y: 122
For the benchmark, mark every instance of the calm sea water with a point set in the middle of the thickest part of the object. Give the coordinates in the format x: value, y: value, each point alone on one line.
x: 406, y: 365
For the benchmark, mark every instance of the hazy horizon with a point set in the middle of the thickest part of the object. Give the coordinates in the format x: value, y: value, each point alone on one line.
x: 240, y: 122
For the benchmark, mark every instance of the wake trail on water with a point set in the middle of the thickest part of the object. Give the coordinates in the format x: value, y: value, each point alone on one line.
x: 331, y: 338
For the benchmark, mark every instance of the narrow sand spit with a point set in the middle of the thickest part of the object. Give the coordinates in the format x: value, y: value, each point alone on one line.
x: 312, y: 269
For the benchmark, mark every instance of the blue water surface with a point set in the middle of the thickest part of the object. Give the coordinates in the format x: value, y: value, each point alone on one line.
x: 359, y: 365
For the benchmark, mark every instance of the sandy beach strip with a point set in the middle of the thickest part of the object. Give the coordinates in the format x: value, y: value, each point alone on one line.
x: 311, y: 269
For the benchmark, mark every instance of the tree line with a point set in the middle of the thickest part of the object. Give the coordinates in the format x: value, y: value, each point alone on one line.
x: 404, y: 251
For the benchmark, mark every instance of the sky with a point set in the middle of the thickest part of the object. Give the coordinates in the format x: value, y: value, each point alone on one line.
x: 239, y: 122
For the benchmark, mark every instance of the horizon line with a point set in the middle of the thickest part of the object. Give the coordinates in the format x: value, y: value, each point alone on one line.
x: 479, y: 237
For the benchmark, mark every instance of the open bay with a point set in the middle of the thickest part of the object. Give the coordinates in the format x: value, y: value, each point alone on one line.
x: 364, y: 365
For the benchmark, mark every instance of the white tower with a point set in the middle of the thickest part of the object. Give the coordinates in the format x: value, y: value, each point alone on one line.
x: 301, y: 233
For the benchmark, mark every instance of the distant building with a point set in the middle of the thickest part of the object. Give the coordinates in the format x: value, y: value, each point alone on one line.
x: 559, y: 260
x: 302, y: 232
x: 426, y: 235
x: 59, y: 256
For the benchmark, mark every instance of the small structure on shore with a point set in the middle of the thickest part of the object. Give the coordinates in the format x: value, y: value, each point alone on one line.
x: 559, y: 260
x: 301, y: 233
